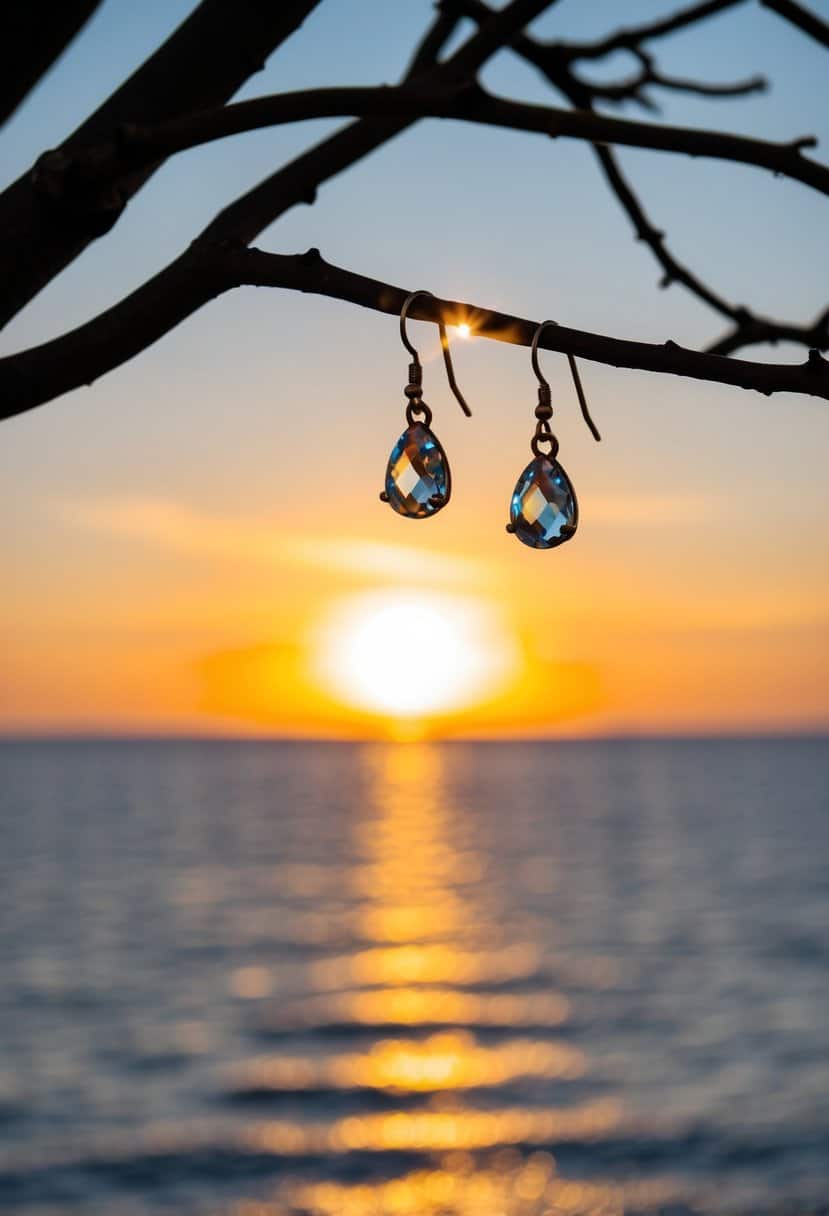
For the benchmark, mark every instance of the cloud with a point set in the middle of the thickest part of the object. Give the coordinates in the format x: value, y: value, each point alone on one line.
x: 171, y: 527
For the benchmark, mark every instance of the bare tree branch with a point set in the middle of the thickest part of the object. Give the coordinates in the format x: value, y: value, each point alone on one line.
x: 206, y: 270
x: 44, y: 223
x: 674, y: 270
x: 78, y: 192
x: 435, y: 95
x: 705, y: 88
x: 648, y: 76
x: 627, y: 39
x: 32, y: 36
x: 434, y: 40
x: 751, y: 330
x: 747, y: 328
x: 801, y: 17
x: 297, y: 182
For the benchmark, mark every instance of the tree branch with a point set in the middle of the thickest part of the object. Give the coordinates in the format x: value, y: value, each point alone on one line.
x: 628, y: 39
x: 32, y: 36
x: 297, y: 182
x: 648, y: 76
x: 45, y: 222
x: 432, y: 43
x: 801, y: 17
x: 751, y: 330
x: 387, y: 110
x: 747, y: 327
x: 206, y: 270
x: 674, y: 270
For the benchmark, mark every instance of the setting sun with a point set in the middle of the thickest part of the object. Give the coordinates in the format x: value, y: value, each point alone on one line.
x: 412, y: 654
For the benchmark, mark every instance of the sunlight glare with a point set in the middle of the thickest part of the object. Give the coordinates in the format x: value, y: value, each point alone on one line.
x: 413, y: 654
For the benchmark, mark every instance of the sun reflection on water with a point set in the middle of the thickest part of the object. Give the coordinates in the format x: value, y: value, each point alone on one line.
x: 464, y: 1019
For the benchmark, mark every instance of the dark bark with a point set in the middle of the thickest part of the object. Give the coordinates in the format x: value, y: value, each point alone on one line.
x: 33, y: 33
x: 48, y: 217
x: 208, y: 270
x: 178, y: 100
x: 805, y: 20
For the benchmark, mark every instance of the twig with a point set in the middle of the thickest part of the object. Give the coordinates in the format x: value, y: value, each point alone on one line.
x: 626, y: 39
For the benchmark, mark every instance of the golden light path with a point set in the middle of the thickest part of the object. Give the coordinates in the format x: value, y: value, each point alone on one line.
x: 412, y: 654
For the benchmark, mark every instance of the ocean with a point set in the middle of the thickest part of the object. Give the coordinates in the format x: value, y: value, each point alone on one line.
x: 432, y: 979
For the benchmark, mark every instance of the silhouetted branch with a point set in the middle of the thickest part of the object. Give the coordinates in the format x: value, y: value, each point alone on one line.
x: 177, y: 101
x: 207, y: 270
x: 434, y: 40
x: 298, y: 181
x: 47, y: 219
x: 628, y: 39
x: 751, y: 329
x: 32, y: 36
x: 747, y: 328
x: 442, y: 93
x: 705, y: 88
x: 648, y: 76
x: 801, y: 17
x: 674, y: 270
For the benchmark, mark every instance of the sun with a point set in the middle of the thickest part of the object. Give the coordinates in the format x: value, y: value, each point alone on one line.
x: 412, y: 654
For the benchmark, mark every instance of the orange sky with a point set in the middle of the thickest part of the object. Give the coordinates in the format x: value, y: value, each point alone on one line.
x: 663, y: 615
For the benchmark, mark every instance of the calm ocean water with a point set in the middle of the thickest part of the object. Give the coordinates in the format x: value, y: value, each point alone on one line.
x: 266, y: 978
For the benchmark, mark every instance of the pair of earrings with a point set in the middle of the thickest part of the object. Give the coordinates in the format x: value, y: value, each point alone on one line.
x: 543, y: 511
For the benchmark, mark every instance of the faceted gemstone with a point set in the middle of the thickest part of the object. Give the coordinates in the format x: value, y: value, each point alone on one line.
x: 417, y: 476
x: 543, y: 509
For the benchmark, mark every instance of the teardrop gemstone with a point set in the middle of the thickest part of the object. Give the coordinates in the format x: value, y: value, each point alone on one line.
x: 543, y: 509
x: 417, y: 477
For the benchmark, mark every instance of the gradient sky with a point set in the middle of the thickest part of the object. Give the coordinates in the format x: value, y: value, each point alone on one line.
x: 175, y: 538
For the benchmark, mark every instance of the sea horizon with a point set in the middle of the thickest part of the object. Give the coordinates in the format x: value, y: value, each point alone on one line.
x: 689, y: 736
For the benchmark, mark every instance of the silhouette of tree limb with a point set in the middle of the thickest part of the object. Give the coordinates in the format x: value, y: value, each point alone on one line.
x: 634, y: 36
x: 634, y: 88
x: 77, y: 193
x: 45, y: 224
x: 439, y: 94
x: 748, y: 328
x: 801, y: 17
x: 32, y: 36
x: 298, y: 181
x: 208, y: 269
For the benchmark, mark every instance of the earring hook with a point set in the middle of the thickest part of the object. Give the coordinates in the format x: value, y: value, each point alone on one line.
x: 576, y: 379
x: 444, y: 345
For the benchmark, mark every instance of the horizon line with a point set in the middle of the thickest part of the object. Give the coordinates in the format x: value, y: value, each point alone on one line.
x: 774, y: 734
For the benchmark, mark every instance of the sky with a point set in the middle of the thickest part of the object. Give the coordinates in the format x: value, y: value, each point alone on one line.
x: 194, y: 545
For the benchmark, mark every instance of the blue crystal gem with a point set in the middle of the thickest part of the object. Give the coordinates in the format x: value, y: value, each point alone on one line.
x: 543, y: 510
x: 417, y: 476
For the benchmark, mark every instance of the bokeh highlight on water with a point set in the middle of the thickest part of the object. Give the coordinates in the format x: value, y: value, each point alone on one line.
x: 262, y: 978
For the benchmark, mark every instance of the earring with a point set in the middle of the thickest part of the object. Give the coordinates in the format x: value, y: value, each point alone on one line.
x: 418, y: 480
x: 544, y: 511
